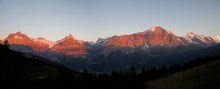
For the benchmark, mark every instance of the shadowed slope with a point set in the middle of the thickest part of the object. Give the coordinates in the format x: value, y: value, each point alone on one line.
x: 202, y: 77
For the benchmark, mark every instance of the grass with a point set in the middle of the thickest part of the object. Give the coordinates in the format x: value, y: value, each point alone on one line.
x: 34, y: 72
x: 206, y: 76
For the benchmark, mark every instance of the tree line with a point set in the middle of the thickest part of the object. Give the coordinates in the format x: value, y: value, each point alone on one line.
x: 118, y: 79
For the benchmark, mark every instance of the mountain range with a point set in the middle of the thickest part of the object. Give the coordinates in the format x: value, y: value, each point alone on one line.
x: 149, y: 43
x: 156, y: 36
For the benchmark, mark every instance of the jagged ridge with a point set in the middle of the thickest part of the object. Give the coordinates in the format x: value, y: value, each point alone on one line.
x: 69, y: 46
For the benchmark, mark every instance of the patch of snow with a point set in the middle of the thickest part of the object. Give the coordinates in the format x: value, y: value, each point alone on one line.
x: 202, y: 38
x: 189, y: 39
x: 60, y: 41
x: 191, y: 34
x: 169, y: 31
x: 179, y: 39
x: 91, y: 43
x: 145, y: 46
x: 41, y: 40
x: 102, y: 41
x: 157, y: 26
x: 17, y: 37
x: 154, y: 27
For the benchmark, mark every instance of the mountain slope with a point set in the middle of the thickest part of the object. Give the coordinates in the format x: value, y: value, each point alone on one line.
x: 21, y: 39
x: 23, y: 71
x: 42, y: 41
x: 192, y: 38
x: 69, y: 47
x: 202, y: 77
x: 17, y: 69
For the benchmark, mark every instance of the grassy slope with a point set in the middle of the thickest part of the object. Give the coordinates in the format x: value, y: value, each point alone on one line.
x: 206, y: 76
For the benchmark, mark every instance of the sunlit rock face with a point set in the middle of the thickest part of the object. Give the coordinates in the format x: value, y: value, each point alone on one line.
x: 69, y: 46
x: 127, y: 41
x: 19, y: 38
x: 154, y: 36
x: 160, y: 36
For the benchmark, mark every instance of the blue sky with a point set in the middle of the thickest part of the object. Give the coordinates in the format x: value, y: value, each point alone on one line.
x: 90, y: 19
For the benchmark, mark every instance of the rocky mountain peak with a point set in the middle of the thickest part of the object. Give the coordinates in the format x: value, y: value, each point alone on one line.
x: 191, y: 34
x: 156, y: 28
x: 70, y: 36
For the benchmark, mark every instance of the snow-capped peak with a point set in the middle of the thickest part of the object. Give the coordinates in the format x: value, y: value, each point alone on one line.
x: 194, y: 38
x: 18, y: 35
x: 191, y: 34
x: 155, y: 27
x: 42, y: 40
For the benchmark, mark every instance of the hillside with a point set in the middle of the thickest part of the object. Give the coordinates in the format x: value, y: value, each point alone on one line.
x: 18, y: 71
x: 202, y: 77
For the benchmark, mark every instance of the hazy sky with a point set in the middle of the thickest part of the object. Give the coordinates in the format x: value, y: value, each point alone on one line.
x: 90, y: 19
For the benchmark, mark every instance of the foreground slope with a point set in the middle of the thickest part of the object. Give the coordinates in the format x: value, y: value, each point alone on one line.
x: 26, y: 71
x: 202, y: 77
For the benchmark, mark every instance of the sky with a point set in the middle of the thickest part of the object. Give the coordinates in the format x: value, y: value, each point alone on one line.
x: 90, y: 19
